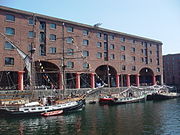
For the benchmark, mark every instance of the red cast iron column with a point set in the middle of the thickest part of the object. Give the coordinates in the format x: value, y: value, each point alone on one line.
x: 20, y: 80
x: 92, y: 80
x: 78, y: 83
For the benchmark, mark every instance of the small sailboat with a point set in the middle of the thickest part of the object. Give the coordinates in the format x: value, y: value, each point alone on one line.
x: 127, y: 100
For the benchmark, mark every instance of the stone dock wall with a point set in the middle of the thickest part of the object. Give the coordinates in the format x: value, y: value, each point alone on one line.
x: 92, y: 94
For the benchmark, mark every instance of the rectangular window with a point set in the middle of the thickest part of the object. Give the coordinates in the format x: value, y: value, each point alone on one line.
x: 112, y: 56
x: 99, y: 55
x: 53, y: 26
x: 31, y: 34
x: 85, y: 65
x: 8, y: 45
x: 123, y: 48
x: 98, y: 35
x: 123, y: 67
x: 112, y: 47
x: 98, y: 44
x: 85, y: 42
x: 133, y: 68
x: 158, y: 63
x: 142, y: 59
x: 133, y: 50
x: 10, y: 18
x: 134, y: 41
x: 31, y: 21
x: 123, y: 57
x: 122, y: 39
x: 69, y: 40
x: 70, y: 51
x: 52, y: 37
x: 42, y: 50
x: 133, y: 58
x: 142, y: 51
x: 105, y: 46
x: 42, y: 26
x: 70, y: 29
x: 105, y: 37
x: 85, y: 53
x: 9, y: 61
x: 146, y: 60
x: 70, y: 64
x: 111, y: 37
x: 158, y: 69
x: 85, y: 32
x: 52, y: 50
x: 9, y: 31
x: 42, y: 37
x: 106, y: 56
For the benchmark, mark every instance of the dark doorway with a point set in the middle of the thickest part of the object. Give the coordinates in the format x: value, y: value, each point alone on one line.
x: 146, y: 77
x: 106, y: 74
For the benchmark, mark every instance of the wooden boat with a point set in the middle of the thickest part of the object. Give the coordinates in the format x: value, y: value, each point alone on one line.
x: 107, y: 99
x: 127, y: 100
x: 163, y: 95
x: 52, y: 113
x: 35, y: 108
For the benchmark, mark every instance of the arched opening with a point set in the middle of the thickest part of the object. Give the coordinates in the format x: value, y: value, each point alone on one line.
x: 146, y: 77
x: 44, y: 76
x: 8, y: 80
x: 106, y: 74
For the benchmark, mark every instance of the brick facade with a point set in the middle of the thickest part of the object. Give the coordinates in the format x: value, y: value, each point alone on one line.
x: 171, y: 74
x: 139, y: 52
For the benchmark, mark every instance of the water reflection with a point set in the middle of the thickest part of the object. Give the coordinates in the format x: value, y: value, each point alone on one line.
x: 131, y: 119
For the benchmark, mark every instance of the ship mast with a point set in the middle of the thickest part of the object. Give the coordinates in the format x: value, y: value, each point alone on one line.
x: 63, y: 62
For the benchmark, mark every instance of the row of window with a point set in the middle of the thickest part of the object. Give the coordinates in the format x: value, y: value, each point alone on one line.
x: 69, y: 40
x: 70, y: 64
x: 11, y: 18
x: 85, y: 53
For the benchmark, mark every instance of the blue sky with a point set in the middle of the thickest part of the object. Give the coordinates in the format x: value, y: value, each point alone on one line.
x: 155, y: 19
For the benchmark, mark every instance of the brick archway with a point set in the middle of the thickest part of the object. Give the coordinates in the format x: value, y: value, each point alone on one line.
x: 45, y: 75
x: 147, y: 77
x: 107, y: 75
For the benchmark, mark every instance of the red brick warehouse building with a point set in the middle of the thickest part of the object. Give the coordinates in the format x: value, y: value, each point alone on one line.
x: 171, y: 64
x: 91, y: 54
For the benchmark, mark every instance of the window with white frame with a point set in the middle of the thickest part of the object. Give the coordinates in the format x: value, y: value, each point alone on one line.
x: 9, y: 61
x: 69, y: 40
x: 10, y: 17
x: 70, y: 29
x: 52, y: 50
x: 9, y: 31
x: 85, y: 53
x: 85, y: 42
x: 8, y: 45
x: 52, y: 37
x: 99, y: 55
x: 70, y: 64
x: 52, y: 25
x: 85, y: 32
